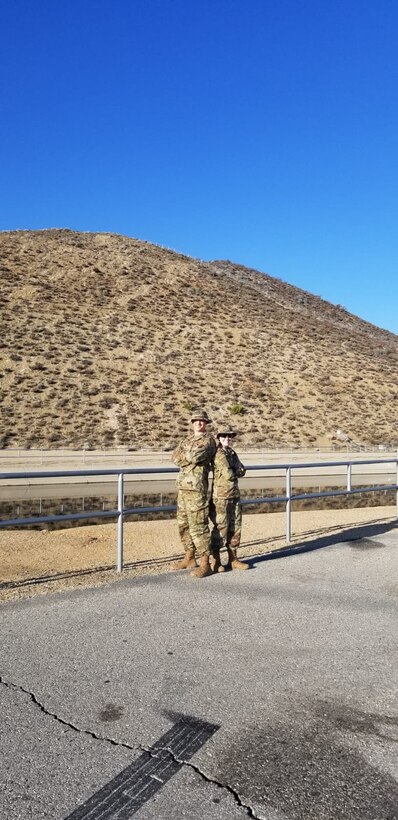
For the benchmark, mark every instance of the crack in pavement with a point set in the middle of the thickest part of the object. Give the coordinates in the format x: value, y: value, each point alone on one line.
x: 249, y: 809
x: 151, y: 752
x: 56, y: 717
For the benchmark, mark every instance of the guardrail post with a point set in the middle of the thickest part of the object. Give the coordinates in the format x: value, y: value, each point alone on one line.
x: 120, y: 506
x: 288, y: 505
x: 349, y: 483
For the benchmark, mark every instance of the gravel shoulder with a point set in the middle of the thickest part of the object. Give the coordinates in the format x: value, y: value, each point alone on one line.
x: 38, y: 562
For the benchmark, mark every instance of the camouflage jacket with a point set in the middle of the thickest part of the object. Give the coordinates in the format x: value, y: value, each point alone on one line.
x: 194, y: 456
x: 227, y: 470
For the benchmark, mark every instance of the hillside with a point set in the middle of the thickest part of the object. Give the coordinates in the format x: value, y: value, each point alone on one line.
x: 108, y: 341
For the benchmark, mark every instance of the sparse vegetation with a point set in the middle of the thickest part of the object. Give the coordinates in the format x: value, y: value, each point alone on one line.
x: 237, y: 409
x: 112, y: 341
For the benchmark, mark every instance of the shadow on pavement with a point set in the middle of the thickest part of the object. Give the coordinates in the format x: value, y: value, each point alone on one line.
x: 359, y: 533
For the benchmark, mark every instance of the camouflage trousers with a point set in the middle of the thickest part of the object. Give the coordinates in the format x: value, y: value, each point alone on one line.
x: 226, y: 515
x: 193, y: 521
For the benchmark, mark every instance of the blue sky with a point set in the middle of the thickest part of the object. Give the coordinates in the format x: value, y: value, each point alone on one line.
x: 261, y: 132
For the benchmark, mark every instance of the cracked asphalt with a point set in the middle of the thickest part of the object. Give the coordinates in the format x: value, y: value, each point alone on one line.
x: 269, y: 694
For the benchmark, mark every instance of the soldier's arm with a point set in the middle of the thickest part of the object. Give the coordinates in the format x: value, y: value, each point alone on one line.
x: 226, y: 472
x: 201, y: 451
x: 179, y: 456
x: 238, y: 467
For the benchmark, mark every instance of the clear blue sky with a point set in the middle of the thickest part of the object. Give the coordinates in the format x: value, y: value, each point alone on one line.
x: 257, y: 131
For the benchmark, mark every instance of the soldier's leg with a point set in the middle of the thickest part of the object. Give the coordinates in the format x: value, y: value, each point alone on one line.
x: 216, y: 541
x: 198, y: 518
x: 235, y: 523
x: 183, y: 528
x: 212, y: 511
x: 234, y: 535
x: 197, y: 510
x: 218, y: 535
x: 224, y: 507
x: 222, y: 519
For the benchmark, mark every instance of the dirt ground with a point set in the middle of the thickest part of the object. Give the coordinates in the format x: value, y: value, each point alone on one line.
x: 38, y: 562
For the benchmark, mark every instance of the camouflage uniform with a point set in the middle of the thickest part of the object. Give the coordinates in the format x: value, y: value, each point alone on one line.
x: 226, y: 499
x: 194, y: 457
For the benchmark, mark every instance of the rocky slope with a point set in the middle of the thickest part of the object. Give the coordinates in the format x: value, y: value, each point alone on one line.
x: 108, y: 340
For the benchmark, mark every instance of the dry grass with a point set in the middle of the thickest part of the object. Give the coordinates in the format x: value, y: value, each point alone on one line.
x: 108, y: 341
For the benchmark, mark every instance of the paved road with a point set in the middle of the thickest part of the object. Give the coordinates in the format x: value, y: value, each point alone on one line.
x: 15, y: 459
x: 34, y: 489
x: 268, y: 694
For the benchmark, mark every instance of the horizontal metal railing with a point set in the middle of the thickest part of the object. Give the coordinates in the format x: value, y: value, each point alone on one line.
x: 121, y: 512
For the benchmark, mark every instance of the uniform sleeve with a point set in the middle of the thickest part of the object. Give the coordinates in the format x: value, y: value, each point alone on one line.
x: 201, y: 451
x: 179, y: 456
x: 194, y: 452
x: 239, y: 469
x: 223, y: 466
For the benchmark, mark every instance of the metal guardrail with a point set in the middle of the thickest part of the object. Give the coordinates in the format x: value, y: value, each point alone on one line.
x: 121, y: 512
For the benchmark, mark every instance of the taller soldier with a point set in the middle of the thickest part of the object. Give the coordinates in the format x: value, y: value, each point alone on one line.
x: 194, y: 456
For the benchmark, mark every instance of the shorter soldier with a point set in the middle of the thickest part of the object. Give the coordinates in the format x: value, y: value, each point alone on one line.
x: 194, y: 456
x: 226, y: 500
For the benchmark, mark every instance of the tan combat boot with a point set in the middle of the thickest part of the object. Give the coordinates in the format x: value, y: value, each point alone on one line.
x: 217, y: 565
x: 188, y: 562
x: 203, y: 569
x: 234, y: 562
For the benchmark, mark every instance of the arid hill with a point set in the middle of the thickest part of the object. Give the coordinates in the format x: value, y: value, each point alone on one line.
x: 109, y: 341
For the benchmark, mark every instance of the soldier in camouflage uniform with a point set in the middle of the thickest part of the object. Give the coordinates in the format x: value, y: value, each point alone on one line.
x: 194, y: 456
x: 226, y: 500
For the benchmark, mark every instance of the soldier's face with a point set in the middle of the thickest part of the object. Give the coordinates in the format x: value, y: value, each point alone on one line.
x: 199, y: 426
x: 225, y: 441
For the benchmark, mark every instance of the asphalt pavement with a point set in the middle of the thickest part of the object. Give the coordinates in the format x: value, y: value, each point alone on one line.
x: 268, y: 694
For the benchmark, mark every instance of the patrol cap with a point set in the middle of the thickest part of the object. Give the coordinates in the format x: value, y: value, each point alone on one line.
x: 226, y: 431
x: 198, y: 414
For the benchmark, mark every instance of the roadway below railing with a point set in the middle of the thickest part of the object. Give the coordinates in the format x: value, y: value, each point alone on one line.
x: 121, y: 512
x: 19, y: 459
x: 75, y: 482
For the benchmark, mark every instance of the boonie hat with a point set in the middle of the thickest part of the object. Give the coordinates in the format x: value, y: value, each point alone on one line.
x: 226, y: 431
x: 198, y: 414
